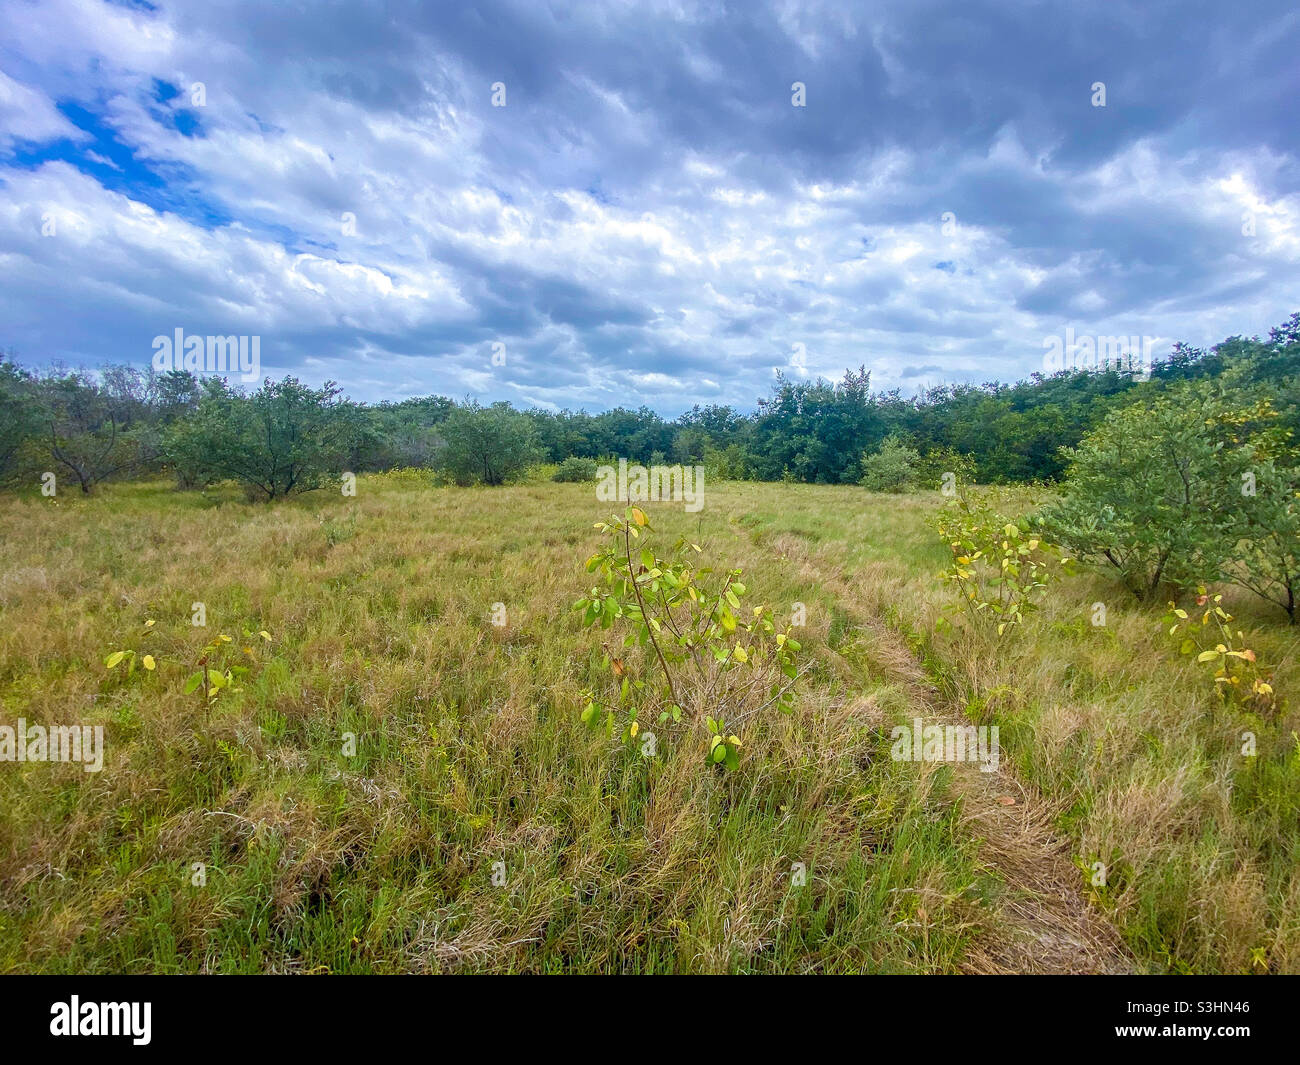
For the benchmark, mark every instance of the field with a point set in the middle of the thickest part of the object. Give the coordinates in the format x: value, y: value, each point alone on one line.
x: 481, y: 826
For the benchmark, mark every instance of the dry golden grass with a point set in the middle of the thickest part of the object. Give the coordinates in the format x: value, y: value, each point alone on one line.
x: 470, y: 752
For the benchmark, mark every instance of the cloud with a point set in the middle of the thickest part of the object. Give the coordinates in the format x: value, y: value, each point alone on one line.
x: 648, y: 219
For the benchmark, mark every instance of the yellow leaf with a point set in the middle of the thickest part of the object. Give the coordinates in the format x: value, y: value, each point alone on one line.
x: 265, y: 635
x: 634, y: 729
x: 638, y: 516
x: 1207, y: 656
x: 147, y: 661
x: 741, y: 654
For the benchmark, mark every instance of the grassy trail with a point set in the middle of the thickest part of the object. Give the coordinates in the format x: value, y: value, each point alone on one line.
x: 1043, y: 922
x: 470, y: 756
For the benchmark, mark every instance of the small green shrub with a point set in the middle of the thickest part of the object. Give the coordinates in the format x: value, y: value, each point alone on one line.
x: 707, y: 665
x: 999, y: 567
x: 893, y: 468
x: 575, y: 470
x: 1155, y: 490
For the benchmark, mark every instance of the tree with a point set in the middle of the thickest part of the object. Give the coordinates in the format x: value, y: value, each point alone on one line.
x: 1155, y: 490
x: 83, y: 428
x: 488, y: 444
x: 283, y: 439
x: 1270, y: 538
x: 892, y: 468
x: 19, y: 423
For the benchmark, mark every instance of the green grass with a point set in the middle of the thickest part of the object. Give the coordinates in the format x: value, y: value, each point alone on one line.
x: 470, y: 751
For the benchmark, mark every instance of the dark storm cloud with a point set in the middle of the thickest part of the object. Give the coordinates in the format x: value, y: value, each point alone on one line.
x: 648, y: 218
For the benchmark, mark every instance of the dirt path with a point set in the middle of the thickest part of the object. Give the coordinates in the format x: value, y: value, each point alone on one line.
x: 1048, y: 925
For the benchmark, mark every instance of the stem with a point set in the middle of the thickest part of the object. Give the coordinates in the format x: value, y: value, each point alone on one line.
x: 663, y: 664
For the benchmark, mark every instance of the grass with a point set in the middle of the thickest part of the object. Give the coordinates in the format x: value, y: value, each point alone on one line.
x: 469, y: 751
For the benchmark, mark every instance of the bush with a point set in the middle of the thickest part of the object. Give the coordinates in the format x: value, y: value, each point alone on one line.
x: 999, y: 568
x: 1269, y: 564
x: 892, y: 468
x: 284, y: 439
x: 731, y: 463
x: 931, y: 470
x: 575, y: 470
x: 488, y: 445
x: 84, y: 437
x: 1155, y: 490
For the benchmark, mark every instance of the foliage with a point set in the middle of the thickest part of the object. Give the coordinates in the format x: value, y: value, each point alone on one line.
x: 892, y: 468
x: 931, y: 471
x: 1237, y: 675
x: 487, y: 445
x: 575, y: 470
x: 711, y: 662
x: 730, y: 463
x: 999, y: 567
x: 85, y: 432
x: 1269, y: 538
x: 283, y: 439
x: 19, y: 416
x: 806, y: 430
x: 215, y: 673
x: 1155, y: 490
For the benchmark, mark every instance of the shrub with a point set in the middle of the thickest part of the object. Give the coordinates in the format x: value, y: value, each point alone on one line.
x: 931, y: 469
x: 284, y: 439
x: 1269, y: 564
x: 731, y: 463
x: 1238, y: 678
x: 1154, y: 490
x: 999, y: 568
x: 575, y: 470
x: 708, y: 662
x: 488, y: 445
x: 81, y: 431
x: 892, y: 468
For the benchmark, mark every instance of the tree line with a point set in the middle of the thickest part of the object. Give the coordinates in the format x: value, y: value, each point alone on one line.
x: 284, y: 437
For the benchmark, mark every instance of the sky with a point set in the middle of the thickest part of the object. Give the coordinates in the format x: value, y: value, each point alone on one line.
x: 592, y: 205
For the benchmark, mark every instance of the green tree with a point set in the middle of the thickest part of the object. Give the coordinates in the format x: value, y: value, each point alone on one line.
x: 84, y: 430
x: 1155, y: 490
x: 283, y: 439
x: 1269, y: 534
x: 892, y: 468
x: 488, y: 444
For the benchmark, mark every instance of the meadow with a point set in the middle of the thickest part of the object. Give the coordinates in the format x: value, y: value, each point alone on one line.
x: 474, y: 823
